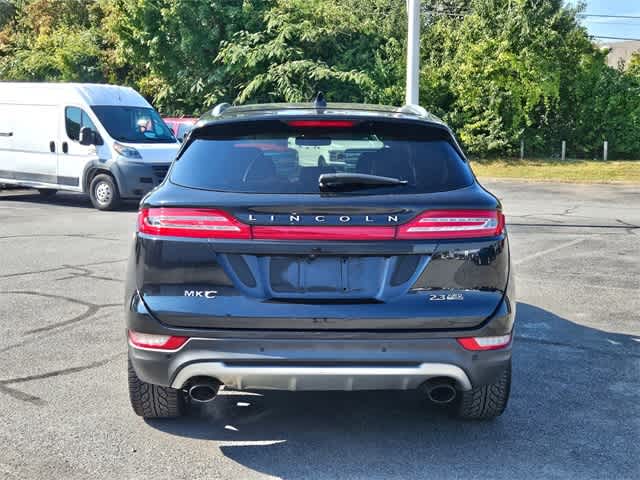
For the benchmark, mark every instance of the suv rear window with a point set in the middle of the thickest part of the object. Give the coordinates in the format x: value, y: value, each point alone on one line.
x: 272, y: 158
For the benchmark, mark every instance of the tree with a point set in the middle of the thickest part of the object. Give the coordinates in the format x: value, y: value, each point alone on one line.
x: 172, y: 46
x: 606, y: 106
x: 52, y: 40
x: 633, y: 68
x: 350, y: 49
x: 496, y: 71
x: 7, y: 13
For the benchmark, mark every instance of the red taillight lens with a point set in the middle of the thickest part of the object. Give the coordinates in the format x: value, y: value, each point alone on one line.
x: 321, y: 123
x: 323, y: 233
x: 213, y: 223
x: 191, y: 222
x: 485, y: 343
x: 156, y: 342
x: 453, y: 224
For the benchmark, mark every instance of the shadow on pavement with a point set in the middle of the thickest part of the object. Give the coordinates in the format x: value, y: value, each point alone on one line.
x: 573, y: 413
x: 61, y: 199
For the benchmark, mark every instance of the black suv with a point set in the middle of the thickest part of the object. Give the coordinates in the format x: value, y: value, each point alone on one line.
x: 320, y: 247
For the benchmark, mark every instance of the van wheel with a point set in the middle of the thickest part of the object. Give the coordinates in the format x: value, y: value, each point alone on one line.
x: 154, y: 401
x: 47, y: 192
x: 487, y: 401
x: 104, y: 192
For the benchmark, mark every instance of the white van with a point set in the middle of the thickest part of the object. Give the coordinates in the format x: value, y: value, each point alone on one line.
x: 103, y: 140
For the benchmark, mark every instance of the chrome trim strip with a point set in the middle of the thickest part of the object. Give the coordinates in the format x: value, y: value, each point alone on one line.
x: 324, y: 378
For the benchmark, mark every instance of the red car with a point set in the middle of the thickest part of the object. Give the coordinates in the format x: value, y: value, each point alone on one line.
x: 180, y: 126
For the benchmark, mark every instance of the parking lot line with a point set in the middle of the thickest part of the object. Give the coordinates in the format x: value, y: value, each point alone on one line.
x: 549, y: 250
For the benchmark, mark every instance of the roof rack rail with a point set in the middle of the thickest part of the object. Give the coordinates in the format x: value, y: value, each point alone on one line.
x: 219, y: 109
x: 415, y: 109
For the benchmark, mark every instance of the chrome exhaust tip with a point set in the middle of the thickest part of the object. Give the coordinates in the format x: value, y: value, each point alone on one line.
x: 440, y: 390
x: 203, y: 390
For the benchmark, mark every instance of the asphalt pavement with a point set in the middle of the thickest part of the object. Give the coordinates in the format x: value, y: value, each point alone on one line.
x: 574, y: 410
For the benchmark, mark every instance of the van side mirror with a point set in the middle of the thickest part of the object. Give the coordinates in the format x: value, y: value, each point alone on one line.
x: 87, y: 136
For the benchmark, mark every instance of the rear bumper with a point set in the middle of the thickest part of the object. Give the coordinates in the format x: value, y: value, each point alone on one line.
x: 320, y: 360
x: 310, y: 377
x: 320, y: 364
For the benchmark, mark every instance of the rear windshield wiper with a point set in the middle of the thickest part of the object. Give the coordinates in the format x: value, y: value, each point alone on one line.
x: 352, y: 181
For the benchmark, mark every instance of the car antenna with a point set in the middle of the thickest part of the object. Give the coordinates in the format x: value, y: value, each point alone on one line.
x: 319, y: 101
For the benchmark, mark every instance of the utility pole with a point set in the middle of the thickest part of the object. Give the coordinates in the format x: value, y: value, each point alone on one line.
x: 413, y: 52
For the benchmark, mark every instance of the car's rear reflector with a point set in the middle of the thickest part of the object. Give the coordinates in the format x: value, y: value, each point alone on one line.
x: 322, y: 233
x: 321, y: 123
x: 453, y: 224
x: 191, y: 222
x: 151, y: 341
x: 485, y: 343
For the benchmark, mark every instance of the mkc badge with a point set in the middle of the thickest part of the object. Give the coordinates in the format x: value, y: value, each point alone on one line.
x: 201, y: 293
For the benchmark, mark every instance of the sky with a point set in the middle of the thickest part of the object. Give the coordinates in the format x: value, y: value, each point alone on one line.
x: 612, y: 27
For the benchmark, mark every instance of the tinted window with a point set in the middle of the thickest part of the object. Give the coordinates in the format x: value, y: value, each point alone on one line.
x: 134, y: 124
x: 75, y: 120
x: 291, y: 161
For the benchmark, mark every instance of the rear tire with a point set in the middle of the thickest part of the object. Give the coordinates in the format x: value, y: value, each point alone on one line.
x: 487, y: 401
x: 47, y: 192
x: 154, y: 401
x: 104, y: 192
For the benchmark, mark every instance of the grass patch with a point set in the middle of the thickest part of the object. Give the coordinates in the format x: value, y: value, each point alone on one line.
x: 591, y: 171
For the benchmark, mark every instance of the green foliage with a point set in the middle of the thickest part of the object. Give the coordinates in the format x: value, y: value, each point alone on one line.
x: 510, y: 70
x: 172, y: 45
x: 52, y: 40
x: 498, y: 71
x: 634, y: 65
x: 7, y: 12
x: 606, y: 106
x: 65, y: 54
x: 350, y: 49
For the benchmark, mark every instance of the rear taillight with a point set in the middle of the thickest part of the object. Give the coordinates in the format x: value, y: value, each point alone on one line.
x: 191, y: 222
x: 453, y: 224
x: 322, y: 233
x: 151, y: 341
x: 213, y: 223
x: 485, y: 343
